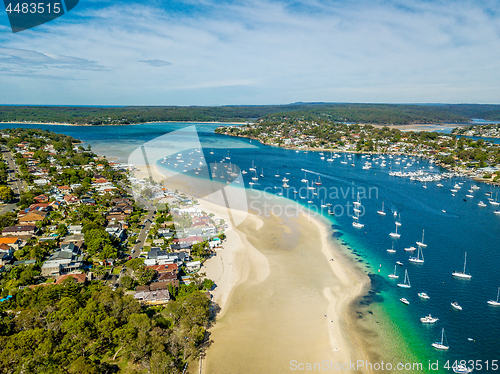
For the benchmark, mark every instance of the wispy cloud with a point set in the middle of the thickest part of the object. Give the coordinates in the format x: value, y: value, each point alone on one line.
x: 32, y: 64
x: 156, y: 63
x: 264, y: 51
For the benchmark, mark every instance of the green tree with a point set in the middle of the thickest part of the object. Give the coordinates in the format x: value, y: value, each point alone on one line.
x: 6, y: 193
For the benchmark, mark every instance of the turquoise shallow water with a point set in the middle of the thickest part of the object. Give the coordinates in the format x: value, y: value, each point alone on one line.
x: 462, y: 227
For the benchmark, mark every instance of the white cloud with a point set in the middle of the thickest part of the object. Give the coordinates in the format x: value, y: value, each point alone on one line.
x: 259, y: 52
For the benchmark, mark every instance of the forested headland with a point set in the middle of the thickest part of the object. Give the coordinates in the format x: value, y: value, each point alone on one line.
x: 386, y: 114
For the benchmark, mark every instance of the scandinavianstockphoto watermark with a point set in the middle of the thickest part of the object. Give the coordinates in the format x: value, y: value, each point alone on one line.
x: 362, y: 365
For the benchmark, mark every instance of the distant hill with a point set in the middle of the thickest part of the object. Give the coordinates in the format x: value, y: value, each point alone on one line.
x: 345, y: 112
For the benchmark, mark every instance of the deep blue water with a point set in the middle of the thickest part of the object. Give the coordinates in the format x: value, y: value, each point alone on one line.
x: 463, y: 227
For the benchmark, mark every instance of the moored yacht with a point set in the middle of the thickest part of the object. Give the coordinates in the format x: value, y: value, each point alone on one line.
x: 406, y: 282
x: 381, y: 211
x: 493, y: 302
x: 392, y: 250
x: 395, y: 234
x: 441, y: 345
x: 421, y: 244
x: 428, y: 319
x: 393, y: 275
x: 462, y: 274
x: 456, y: 305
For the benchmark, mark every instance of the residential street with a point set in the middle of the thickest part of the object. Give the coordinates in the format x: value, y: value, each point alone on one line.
x: 14, y: 183
x: 143, y: 234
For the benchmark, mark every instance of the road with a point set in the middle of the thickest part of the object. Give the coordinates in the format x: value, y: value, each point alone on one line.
x: 143, y: 234
x: 15, y: 183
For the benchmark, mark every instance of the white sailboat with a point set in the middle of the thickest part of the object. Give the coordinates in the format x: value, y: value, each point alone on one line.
x: 419, y: 259
x: 392, y: 250
x: 262, y: 174
x: 393, y: 275
x: 495, y: 202
x: 398, y: 222
x: 305, y: 178
x: 252, y: 168
x: 493, y: 302
x: 462, y: 274
x: 395, y: 234
x: 441, y: 345
x: 422, y: 244
x: 406, y: 282
x: 381, y: 212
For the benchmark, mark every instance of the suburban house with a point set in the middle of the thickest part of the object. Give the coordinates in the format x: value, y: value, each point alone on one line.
x: 6, y: 253
x: 87, y: 201
x: 156, y: 297
x: 79, y: 278
x: 33, y: 217
x: 19, y: 230
x: 75, y: 229
x: 191, y: 240
x: 193, y: 266
x: 13, y: 242
x: 41, y: 199
x: 67, y: 259
x: 116, y: 230
x: 156, y: 256
x: 65, y: 190
x: 71, y: 200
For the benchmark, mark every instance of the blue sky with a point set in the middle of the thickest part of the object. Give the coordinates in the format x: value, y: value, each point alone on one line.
x: 204, y: 52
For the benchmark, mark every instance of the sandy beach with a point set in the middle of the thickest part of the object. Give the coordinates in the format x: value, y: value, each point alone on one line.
x: 284, y: 288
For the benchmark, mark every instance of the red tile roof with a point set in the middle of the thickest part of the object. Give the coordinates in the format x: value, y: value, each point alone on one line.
x: 79, y: 278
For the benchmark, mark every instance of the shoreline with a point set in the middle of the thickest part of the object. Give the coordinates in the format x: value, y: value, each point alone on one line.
x: 254, y: 263
x: 466, y: 173
x: 118, y: 124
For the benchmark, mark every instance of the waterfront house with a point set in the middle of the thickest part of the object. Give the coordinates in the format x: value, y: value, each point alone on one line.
x: 193, y: 266
x: 156, y: 297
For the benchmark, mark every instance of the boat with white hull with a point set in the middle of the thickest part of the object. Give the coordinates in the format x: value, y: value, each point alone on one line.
x: 462, y: 274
